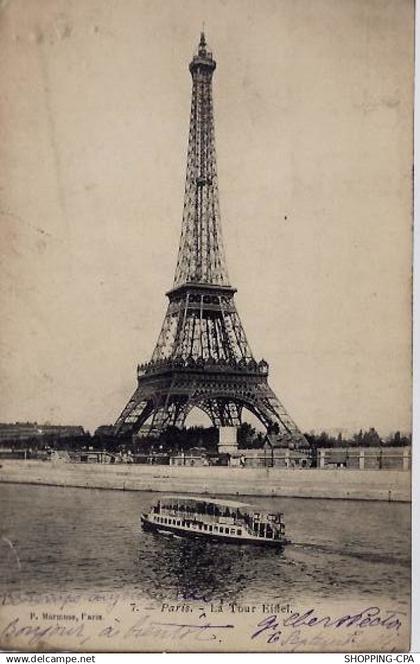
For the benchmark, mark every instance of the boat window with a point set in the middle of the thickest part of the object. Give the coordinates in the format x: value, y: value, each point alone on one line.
x: 232, y: 531
x: 216, y: 529
x: 205, y: 526
x: 178, y: 523
x: 211, y: 528
x: 239, y: 531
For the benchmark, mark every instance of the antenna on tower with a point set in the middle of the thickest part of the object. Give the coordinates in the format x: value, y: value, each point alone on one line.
x: 202, y: 45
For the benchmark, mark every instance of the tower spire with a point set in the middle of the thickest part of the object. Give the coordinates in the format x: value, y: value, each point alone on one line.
x: 201, y: 256
x: 202, y: 44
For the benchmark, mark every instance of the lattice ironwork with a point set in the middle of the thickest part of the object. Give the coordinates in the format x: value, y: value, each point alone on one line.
x: 202, y: 358
x: 201, y: 255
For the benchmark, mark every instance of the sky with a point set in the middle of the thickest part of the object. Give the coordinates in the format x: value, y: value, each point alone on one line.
x: 313, y: 113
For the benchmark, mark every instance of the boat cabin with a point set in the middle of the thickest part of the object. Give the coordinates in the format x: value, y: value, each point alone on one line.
x: 218, y: 517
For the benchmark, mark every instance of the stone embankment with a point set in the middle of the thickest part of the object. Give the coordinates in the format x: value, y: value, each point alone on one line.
x: 388, y: 485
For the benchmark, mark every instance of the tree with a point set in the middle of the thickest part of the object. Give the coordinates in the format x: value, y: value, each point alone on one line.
x: 371, y: 438
x: 247, y: 436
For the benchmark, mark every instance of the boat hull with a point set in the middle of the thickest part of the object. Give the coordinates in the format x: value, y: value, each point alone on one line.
x: 150, y: 526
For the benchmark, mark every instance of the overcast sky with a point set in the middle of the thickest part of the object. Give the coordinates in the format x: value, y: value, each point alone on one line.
x: 313, y: 132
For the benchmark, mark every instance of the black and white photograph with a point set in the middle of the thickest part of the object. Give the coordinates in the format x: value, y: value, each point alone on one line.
x: 206, y: 345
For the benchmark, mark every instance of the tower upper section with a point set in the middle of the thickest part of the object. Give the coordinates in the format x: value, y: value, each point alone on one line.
x: 202, y: 63
x: 201, y: 257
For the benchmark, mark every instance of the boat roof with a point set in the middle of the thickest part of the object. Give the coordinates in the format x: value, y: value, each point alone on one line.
x: 206, y: 499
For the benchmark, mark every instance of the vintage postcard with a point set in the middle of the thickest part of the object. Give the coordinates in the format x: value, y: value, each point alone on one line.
x: 205, y: 422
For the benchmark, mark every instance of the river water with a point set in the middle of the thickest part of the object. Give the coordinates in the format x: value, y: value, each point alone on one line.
x: 68, y: 539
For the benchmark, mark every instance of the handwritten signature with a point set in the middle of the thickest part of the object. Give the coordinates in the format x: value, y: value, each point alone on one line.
x: 196, y: 596
x: 145, y: 627
x: 295, y: 630
x: 61, y: 600
x: 271, y: 626
x: 205, y: 631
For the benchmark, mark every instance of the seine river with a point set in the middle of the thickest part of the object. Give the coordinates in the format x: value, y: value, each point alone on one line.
x: 59, y: 539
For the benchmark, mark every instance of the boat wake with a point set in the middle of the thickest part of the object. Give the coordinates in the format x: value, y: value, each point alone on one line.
x: 366, y: 556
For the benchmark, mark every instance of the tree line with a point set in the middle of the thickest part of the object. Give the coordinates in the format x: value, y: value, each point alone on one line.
x: 176, y: 440
x: 364, y: 438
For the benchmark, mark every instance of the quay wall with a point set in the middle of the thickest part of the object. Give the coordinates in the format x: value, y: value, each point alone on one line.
x: 388, y: 485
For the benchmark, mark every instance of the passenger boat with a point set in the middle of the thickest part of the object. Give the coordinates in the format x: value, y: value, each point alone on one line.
x: 223, y: 520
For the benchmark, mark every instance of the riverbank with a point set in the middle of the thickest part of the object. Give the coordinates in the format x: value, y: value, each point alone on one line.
x: 388, y: 485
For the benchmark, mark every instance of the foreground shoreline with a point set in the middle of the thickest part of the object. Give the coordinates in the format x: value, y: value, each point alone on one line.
x: 384, y: 485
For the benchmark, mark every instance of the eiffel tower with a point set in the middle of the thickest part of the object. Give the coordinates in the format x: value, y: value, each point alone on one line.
x: 202, y: 358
